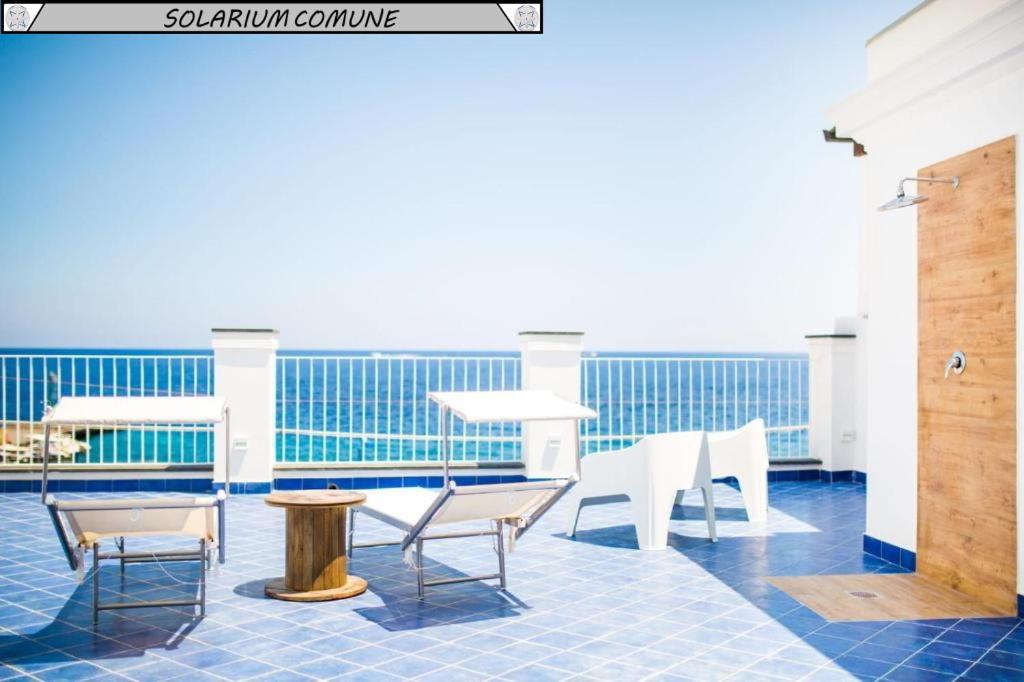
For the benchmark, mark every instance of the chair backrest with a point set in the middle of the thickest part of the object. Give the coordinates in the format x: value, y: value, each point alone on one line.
x: 740, y: 448
x: 681, y: 457
x: 496, y: 501
x: 189, y: 516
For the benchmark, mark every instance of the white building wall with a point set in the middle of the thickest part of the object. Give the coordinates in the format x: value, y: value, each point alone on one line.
x: 961, y: 93
x: 923, y: 28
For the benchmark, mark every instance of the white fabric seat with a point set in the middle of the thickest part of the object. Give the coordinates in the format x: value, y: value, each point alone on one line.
x: 94, y: 520
x: 650, y: 474
x: 399, y: 507
x: 743, y: 455
x: 415, y: 511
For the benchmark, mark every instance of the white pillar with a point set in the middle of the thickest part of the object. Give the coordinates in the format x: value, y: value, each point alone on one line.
x: 551, y: 361
x: 832, y: 400
x: 245, y: 375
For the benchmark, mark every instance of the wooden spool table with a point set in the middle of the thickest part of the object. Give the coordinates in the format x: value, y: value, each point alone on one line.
x: 316, y: 568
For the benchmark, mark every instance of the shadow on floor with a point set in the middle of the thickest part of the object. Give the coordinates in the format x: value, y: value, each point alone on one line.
x: 394, y: 584
x: 119, y: 634
x: 696, y: 513
x: 624, y: 536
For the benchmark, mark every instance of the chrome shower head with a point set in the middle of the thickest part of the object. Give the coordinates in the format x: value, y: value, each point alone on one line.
x: 902, y: 200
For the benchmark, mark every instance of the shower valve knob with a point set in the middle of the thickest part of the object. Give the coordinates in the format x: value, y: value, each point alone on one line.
x: 957, y: 363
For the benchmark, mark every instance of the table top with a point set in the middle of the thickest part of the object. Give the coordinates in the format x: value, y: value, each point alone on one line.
x: 315, y: 498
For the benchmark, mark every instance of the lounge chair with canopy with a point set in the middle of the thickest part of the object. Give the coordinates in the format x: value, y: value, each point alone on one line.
x: 82, y: 525
x: 418, y: 512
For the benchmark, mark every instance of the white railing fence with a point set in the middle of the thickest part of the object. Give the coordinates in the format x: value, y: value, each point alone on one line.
x: 349, y: 408
x: 374, y: 409
x: 364, y: 409
x: 636, y: 396
x: 29, y: 382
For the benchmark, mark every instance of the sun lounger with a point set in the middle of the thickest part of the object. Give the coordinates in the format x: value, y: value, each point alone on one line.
x: 93, y: 521
x: 82, y: 525
x: 417, y: 512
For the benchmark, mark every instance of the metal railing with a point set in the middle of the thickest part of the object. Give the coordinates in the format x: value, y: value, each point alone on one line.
x: 29, y: 382
x: 367, y: 409
x: 363, y: 409
x: 636, y: 396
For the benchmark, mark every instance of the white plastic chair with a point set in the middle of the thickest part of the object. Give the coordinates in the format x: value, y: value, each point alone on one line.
x: 743, y: 454
x: 651, y: 474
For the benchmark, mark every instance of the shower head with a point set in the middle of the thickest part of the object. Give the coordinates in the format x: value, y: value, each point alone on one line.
x: 902, y: 200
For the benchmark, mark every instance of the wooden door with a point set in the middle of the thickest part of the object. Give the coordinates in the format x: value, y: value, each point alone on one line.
x: 967, y: 434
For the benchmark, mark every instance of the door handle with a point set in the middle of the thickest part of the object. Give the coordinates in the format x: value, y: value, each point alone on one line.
x: 957, y: 363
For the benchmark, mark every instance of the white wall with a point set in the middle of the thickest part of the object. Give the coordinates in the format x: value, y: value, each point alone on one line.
x: 926, y: 26
x: 959, y: 94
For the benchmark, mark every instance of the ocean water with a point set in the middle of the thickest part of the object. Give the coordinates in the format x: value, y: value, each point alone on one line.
x: 362, y: 406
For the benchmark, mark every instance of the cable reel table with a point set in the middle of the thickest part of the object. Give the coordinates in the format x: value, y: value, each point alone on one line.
x: 316, y: 567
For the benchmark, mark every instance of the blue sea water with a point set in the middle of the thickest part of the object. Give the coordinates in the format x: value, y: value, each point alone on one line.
x: 362, y: 406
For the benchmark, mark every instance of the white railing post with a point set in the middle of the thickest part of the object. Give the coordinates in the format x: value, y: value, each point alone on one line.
x: 832, y: 401
x: 245, y: 375
x: 551, y: 361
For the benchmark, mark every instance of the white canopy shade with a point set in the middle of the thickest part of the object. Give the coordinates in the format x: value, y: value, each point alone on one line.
x: 176, y: 410
x: 475, y: 407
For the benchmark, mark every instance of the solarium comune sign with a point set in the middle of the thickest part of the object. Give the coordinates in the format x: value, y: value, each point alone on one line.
x: 253, y: 17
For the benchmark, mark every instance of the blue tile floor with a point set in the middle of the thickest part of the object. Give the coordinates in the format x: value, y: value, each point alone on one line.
x: 592, y: 608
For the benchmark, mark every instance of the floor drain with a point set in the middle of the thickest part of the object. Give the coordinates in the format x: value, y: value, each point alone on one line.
x: 863, y: 595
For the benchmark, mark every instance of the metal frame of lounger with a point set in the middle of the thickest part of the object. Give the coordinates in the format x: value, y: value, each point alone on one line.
x: 417, y: 534
x: 142, y: 557
x: 55, y: 507
x: 202, y: 555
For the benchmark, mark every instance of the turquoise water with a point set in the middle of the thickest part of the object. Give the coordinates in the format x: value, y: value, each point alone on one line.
x: 371, y: 407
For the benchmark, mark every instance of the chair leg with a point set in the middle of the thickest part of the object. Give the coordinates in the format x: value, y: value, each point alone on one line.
x: 221, y: 527
x: 95, y: 584
x: 420, y: 587
x: 754, y: 489
x: 119, y: 543
x: 501, y: 555
x: 575, y: 505
x: 709, y: 511
x: 202, y: 578
x: 351, y: 531
x: 651, y: 517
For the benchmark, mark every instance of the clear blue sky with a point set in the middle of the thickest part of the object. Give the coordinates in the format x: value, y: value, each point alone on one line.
x: 650, y: 173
